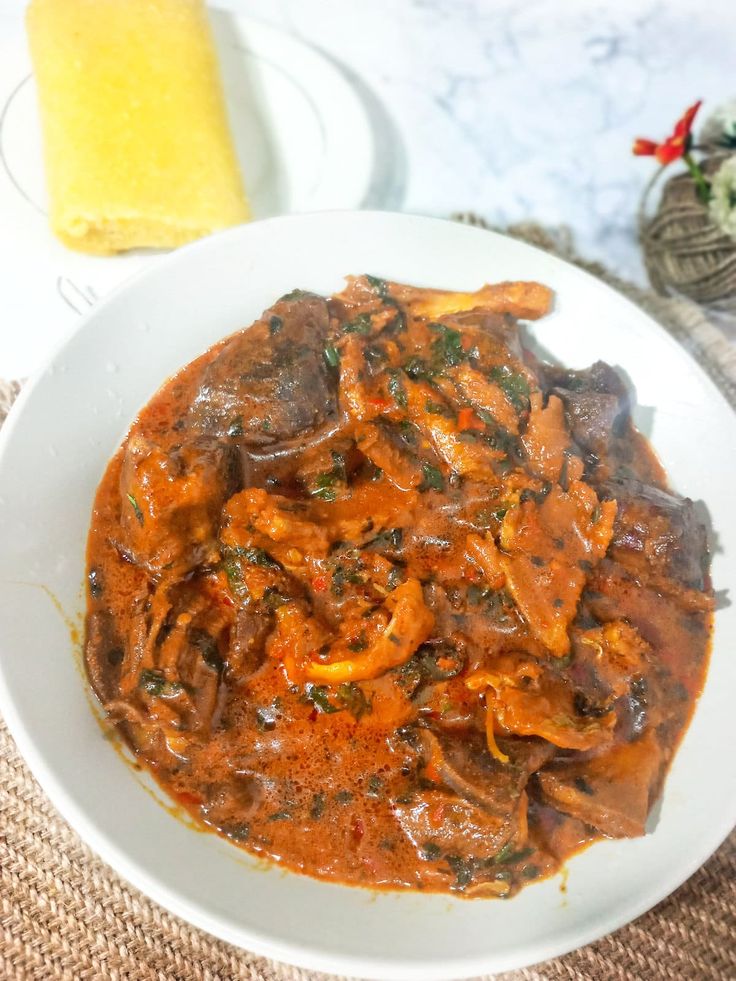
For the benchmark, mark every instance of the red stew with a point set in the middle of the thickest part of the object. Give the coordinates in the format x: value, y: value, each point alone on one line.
x: 375, y: 593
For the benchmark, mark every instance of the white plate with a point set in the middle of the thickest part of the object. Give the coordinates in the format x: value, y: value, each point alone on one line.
x: 53, y: 450
x: 305, y: 138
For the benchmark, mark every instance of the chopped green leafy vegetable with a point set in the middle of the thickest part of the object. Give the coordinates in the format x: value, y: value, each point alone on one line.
x: 353, y: 698
x: 379, y: 285
x: 514, y: 385
x: 256, y: 556
x: 136, y: 508
x: 323, y: 487
x: 439, y: 409
x: 341, y: 576
x: 510, y: 855
x: 338, y: 466
x: 395, y: 577
x: 318, y: 696
x: 317, y: 809
x: 432, y: 478
x: 331, y: 356
x: 418, y: 369
x: 275, y: 324
x: 207, y: 647
x: 388, y: 539
x: 360, y: 325
x: 376, y: 787
x: 154, y: 683
x: 324, y: 483
x: 430, y: 851
x: 485, y: 416
x: 273, y: 598
x: 463, y: 868
x: 499, y: 438
x: 234, y: 576
x: 359, y: 644
x: 440, y: 662
x: 396, y: 389
x: 349, y: 695
x: 447, y: 350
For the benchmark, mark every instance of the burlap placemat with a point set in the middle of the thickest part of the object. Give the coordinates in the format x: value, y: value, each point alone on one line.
x: 64, y: 914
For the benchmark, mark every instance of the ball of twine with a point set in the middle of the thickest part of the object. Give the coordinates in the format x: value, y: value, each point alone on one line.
x: 684, y: 251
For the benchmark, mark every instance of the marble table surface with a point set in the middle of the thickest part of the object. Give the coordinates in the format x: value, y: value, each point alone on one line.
x: 514, y: 110
x: 527, y: 110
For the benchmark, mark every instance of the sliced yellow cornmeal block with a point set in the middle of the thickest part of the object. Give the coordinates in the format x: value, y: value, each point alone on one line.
x: 137, y: 145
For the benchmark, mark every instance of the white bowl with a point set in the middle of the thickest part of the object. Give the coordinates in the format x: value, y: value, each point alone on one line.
x: 53, y: 451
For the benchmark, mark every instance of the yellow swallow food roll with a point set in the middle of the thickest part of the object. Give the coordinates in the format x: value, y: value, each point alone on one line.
x: 137, y: 146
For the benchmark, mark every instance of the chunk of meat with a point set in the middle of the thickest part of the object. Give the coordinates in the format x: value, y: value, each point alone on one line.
x: 363, y: 515
x: 270, y: 382
x: 456, y: 826
x: 247, y: 651
x: 546, y: 439
x: 657, y: 533
x: 480, y: 804
x: 461, y: 763
x: 103, y: 654
x: 484, y: 553
x: 547, y: 597
x: 592, y: 418
x: 526, y: 698
x: 276, y: 518
x: 612, y: 792
x: 550, y: 547
x: 525, y: 300
x: 556, y: 834
x: 296, y: 638
x: 170, y: 502
x: 177, y: 651
x: 596, y: 403
x: 376, y: 444
x: 410, y: 625
x: 570, y: 526
x: 611, y: 656
x: 493, y: 345
x: 486, y: 395
x: 355, y: 395
x: 455, y: 449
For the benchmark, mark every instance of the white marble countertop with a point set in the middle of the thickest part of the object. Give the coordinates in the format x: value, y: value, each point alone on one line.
x: 527, y: 110
x: 514, y: 110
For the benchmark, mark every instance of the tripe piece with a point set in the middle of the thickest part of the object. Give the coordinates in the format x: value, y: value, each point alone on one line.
x: 137, y: 145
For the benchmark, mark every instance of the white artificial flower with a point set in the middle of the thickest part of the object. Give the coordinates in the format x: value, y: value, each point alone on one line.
x: 719, y: 128
x: 722, y: 206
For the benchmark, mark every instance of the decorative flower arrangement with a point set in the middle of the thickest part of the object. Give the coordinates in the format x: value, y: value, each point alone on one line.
x: 690, y: 243
x: 677, y: 146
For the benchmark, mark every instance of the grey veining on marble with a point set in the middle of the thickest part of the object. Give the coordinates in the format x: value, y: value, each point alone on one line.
x: 527, y: 109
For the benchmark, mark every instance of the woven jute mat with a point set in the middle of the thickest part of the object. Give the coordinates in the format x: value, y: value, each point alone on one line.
x: 64, y: 914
